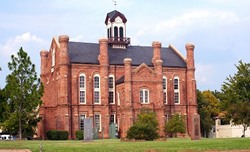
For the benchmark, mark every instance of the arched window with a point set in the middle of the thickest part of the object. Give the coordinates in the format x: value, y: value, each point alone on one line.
x: 116, y: 33
x: 111, y: 90
x: 82, y: 89
x: 97, y: 89
x: 164, y: 84
x: 144, y: 96
x: 108, y: 33
x: 53, y: 62
x: 121, y: 33
x: 176, y: 90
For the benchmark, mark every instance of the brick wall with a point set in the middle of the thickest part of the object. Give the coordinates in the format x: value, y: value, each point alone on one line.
x: 61, y: 109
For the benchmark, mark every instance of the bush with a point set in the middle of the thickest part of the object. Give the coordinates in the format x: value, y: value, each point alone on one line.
x: 57, y: 135
x: 63, y: 135
x: 145, y: 128
x: 175, y: 125
x: 79, y: 134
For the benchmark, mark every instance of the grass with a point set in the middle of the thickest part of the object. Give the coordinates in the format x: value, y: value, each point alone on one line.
x: 109, y: 145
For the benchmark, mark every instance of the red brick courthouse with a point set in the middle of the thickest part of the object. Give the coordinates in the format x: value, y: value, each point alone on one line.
x: 111, y: 81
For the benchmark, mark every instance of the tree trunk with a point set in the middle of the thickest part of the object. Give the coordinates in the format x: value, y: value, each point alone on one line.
x: 20, y: 121
x: 244, y: 130
x: 20, y: 127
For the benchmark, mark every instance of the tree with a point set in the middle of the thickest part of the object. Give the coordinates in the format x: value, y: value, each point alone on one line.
x: 23, y: 92
x: 208, y: 108
x: 145, y: 128
x: 175, y: 125
x: 236, y: 101
x: 3, y: 106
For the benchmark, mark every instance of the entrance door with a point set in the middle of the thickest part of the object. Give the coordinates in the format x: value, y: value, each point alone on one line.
x: 112, y: 131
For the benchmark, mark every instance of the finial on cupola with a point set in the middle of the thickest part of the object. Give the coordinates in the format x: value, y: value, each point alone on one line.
x: 114, y: 4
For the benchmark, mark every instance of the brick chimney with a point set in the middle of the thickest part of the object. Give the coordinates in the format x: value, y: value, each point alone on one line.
x: 127, y: 80
x: 63, y: 57
x: 127, y: 121
x: 191, y: 84
x: 193, y: 116
x: 103, y: 57
x: 64, y: 81
x: 104, y: 69
x: 44, y: 57
x: 157, y: 52
x: 190, y: 55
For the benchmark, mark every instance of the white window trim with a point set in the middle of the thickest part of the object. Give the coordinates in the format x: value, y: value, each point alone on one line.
x: 165, y: 90
x: 118, y: 99
x: 97, y: 89
x: 177, y: 90
x: 100, y: 121
x: 82, y: 88
x: 112, y: 89
x: 144, y: 90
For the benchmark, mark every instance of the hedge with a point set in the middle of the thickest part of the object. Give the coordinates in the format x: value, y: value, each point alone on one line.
x: 79, y: 134
x: 57, y: 135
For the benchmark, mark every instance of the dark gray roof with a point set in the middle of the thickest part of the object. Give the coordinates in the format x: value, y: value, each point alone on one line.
x: 88, y: 53
x: 112, y: 15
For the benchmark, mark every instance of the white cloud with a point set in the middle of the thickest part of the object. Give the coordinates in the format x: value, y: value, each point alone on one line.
x: 180, y: 25
x: 31, y: 44
x: 78, y: 38
x: 13, y: 44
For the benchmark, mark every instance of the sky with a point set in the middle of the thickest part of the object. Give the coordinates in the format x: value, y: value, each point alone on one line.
x: 220, y: 29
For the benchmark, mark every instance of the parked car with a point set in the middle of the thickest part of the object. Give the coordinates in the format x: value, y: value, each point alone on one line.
x: 6, y: 137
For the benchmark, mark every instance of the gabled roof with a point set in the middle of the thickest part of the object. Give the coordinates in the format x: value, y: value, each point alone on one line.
x: 87, y: 53
x: 112, y: 15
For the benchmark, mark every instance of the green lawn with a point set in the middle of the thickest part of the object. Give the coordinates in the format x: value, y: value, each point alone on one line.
x: 110, y: 145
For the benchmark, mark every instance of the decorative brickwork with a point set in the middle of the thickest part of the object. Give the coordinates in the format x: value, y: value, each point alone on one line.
x: 135, y: 87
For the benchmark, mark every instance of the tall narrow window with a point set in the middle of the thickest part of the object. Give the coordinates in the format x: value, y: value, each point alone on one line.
x: 97, y: 121
x: 82, y: 89
x: 144, y: 96
x: 111, y: 90
x: 166, y: 118
x: 121, y: 33
x: 176, y: 91
x: 82, y: 116
x: 53, y: 59
x: 112, y: 118
x: 116, y: 33
x: 108, y: 32
x: 97, y: 89
x: 164, y: 84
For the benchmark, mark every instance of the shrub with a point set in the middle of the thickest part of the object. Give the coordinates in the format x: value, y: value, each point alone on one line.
x: 175, y: 125
x: 57, y: 135
x: 79, y: 134
x: 145, y: 128
x: 63, y: 135
x: 51, y: 135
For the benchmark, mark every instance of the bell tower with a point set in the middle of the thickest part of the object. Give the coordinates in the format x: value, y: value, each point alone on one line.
x: 116, y: 30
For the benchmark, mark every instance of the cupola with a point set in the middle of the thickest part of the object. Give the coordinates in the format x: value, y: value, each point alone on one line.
x: 116, y: 30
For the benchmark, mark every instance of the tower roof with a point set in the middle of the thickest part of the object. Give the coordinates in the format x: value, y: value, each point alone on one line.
x: 112, y: 15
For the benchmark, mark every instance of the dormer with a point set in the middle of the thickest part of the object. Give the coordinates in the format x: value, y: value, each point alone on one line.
x: 116, y: 30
